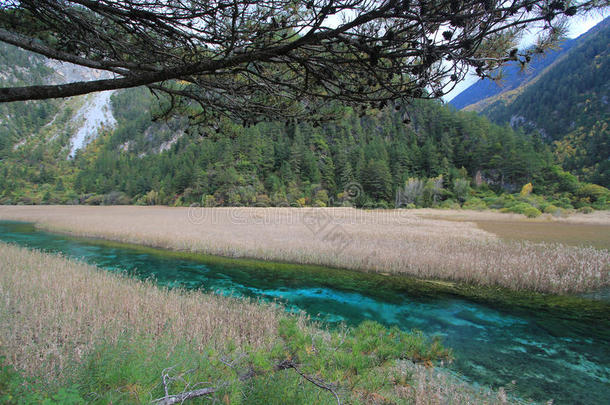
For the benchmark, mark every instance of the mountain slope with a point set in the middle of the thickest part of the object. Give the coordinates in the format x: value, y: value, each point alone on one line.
x: 574, y: 91
x: 567, y: 104
x: 120, y: 154
x: 68, y: 124
x: 512, y: 77
x: 485, y: 92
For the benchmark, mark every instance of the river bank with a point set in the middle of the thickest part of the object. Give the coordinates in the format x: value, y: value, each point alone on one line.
x: 380, y: 241
x: 75, y: 333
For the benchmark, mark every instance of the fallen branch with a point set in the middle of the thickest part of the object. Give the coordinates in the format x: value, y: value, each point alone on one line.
x: 315, y: 381
x: 179, y: 398
x: 184, y: 396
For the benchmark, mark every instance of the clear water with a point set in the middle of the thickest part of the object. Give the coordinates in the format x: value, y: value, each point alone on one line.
x: 548, y: 355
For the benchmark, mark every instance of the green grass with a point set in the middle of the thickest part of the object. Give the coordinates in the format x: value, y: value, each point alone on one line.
x: 129, y: 370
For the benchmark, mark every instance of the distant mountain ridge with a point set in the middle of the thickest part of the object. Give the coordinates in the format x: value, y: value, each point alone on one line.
x: 514, y: 76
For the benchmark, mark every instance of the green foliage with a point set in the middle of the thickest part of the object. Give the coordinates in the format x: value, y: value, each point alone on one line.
x: 523, y: 208
x: 17, y: 390
x: 474, y: 204
x: 585, y: 210
x: 130, y: 369
x: 517, y: 208
x: 349, y: 357
x: 593, y: 192
x: 461, y: 189
x: 526, y: 189
x: 285, y: 164
x: 551, y: 209
x: 377, y: 180
x: 450, y: 204
x: 20, y: 68
x: 531, y: 212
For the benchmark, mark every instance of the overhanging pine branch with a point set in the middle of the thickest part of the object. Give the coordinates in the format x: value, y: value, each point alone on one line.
x: 8, y: 94
x: 251, y: 62
x: 33, y: 45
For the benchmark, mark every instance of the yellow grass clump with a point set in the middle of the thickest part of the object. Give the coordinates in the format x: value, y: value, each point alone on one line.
x: 387, y: 241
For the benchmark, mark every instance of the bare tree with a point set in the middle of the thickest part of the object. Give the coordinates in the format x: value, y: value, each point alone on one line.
x: 412, y: 192
x: 272, y: 59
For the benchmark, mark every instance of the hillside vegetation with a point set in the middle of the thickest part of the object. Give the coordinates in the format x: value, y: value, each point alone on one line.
x: 567, y: 105
x: 373, y: 159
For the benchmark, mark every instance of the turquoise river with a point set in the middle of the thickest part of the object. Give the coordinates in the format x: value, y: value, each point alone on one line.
x: 540, y: 353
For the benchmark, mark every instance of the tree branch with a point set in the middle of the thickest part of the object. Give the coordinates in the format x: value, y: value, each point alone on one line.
x: 236, y: 58
x: 318, y: 383
x: 8, y: 94
x: 36, y: 46
x: 180, y: 398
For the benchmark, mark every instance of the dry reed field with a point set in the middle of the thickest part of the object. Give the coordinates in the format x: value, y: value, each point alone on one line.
x: 54, y: 311
x: 387, y: 241
x: 601, y: 218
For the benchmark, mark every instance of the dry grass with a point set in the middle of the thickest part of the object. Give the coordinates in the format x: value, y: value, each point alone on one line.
x: 53, y: 311
x: 575, y: 229
x: 435, y: 386
x: 595, y: 218
x: 574, y: 234
x: 391, y: 241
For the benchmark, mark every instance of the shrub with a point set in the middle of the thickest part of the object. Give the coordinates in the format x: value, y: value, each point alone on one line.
x: 209, y: 201
x: 526, y: 189
x: 461, y: 189
x: 116, y: 198
x: 151, y: 198
x: 531, y: 212
x: 475, y: 204
x: 381, y: 205
x: 585, y: 210
x: 321, y: 196
x: 563, y: 202
x: 601, y: 204
x: 263, y: 200
x: 551, y: 209
x: 593, y: 192
x: 412, y: 191
x: 95, y: 200
x: 503, y: 201
x: 518, y: 208
x: 450, y: 204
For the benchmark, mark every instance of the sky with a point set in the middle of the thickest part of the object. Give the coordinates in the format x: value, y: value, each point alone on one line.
x: 578, y: 26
